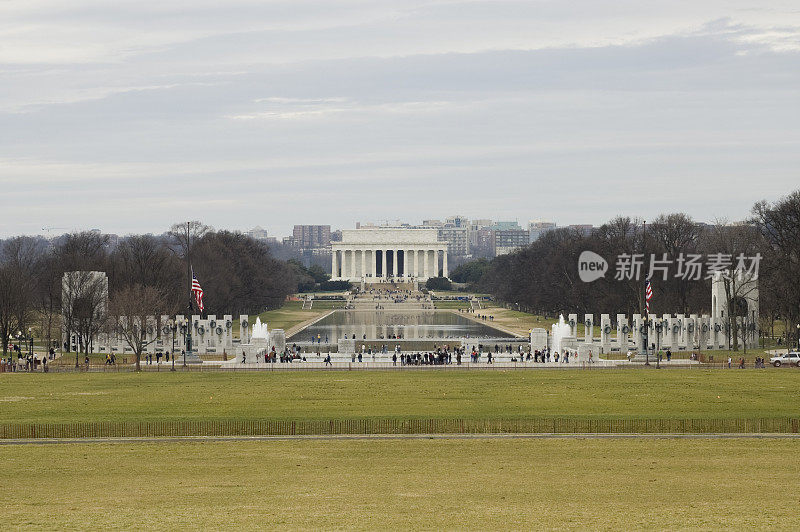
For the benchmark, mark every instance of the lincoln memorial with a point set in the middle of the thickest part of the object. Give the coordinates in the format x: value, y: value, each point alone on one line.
x: 381, y: 254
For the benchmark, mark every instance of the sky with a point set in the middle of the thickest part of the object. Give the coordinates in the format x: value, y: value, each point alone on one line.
x: 129, y: 116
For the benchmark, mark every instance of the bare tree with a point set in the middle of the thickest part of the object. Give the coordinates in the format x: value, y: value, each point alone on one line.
x: 178, y: 236
x: 83, y: 251
x: 48, y: 297
x: 779, y: 223
x: 129, y: 310
x: 18, y: 263
x: 84, y: 307
x: 148, y: 261
x: 11, y: 305
x: 677, y: 234
x: 740, y: 289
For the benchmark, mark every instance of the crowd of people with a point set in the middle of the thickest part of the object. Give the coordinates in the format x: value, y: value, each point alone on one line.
x: 25, y: 361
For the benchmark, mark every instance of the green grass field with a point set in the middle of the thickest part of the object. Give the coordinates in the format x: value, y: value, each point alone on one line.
x: 72, y: 397
x: 419, y: 484
x: 402, y: 484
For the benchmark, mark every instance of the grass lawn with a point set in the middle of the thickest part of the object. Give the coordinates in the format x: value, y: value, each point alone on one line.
x: 419, y: 484
x: 291, y: 314
x: 315, y: 395
x: 521, y: 322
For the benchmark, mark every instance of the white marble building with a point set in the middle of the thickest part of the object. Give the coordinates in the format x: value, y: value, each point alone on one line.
x: 381, y: 254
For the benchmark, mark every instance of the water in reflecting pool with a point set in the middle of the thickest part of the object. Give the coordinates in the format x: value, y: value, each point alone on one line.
x: 410, y: 325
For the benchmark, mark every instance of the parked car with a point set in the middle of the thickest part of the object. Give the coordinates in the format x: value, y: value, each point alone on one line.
x: 792, y: 359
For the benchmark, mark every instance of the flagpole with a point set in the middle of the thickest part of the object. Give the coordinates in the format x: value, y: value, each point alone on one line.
x: 189, y: 313
x: 644, y: 301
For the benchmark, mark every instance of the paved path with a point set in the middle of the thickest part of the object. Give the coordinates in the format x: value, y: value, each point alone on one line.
x: 524, y: 436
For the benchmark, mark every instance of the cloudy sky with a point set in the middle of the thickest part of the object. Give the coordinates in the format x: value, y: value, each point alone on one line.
x: 129, y: 116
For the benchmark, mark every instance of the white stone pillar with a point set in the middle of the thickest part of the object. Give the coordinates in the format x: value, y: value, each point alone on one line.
x: 394, y: 263
x: 334, y: 264
x: 374, y: 266
x: 444, y: 264
x: 363, y: 262
x: 425, y: 264
x: 385, y: 265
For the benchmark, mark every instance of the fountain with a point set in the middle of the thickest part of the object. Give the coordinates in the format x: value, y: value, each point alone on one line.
x: 260, y: 330
x: 560, y: 331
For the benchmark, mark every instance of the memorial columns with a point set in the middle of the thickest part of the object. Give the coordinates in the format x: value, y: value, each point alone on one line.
x: 352, y: 268
x: 415, y: 255
x: 444, y: 263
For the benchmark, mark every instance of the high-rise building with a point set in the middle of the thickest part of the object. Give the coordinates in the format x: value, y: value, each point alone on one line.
x: 457, y: 238
x: 507, y: 226
x: 431, y: 223
x: 257, y: 233
x: 508, y: 240
x: 312, y: 237
x: 583, y: 229
x: 457, y: 221
x: 537, y: 228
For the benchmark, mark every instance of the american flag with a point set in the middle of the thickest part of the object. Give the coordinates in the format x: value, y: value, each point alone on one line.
x: 648, y: 295
x: 197, y: 290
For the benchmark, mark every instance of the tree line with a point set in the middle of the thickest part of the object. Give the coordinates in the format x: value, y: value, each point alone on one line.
x: 543, y: 277
x: 238, y: 274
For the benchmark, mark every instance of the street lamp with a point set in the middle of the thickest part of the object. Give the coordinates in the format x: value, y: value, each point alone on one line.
x: 798, y: 335
x: 19, y: 348
x: 174, y: 327
x: 186, y: 324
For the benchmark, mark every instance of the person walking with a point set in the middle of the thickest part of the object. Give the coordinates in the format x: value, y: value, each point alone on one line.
x: 394, y: 359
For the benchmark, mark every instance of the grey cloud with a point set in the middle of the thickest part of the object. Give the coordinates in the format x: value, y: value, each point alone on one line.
x: 210, y: 128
